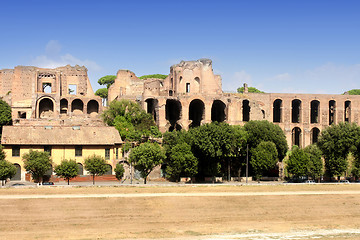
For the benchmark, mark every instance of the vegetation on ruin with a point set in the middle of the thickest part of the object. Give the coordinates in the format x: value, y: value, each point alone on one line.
x: 146, y: 157
x: 37, y: 164
x: 158, y: 76
x: 96, y: 166
x: 119, y: 171
x: 7, y: 169
x: 68, y: 169
x: 107, y: 80
x: 250, y: 90
x: 132, y: 122
x: 353, y: 92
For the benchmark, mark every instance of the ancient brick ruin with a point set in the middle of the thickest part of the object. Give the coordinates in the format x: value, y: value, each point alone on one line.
x: 192, y: 95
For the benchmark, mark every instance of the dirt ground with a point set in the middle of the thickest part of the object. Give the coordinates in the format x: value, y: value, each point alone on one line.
x: 184, y: 217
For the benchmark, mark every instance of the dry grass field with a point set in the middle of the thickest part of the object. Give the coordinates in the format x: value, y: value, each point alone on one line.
x: 184, y: 217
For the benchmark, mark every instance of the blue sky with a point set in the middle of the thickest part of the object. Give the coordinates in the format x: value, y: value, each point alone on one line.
x: 277, y: 46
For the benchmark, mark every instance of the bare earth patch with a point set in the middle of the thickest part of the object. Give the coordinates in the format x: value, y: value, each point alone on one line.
x: 197, y: 216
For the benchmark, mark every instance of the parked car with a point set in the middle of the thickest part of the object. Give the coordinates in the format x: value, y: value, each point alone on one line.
x: 309, y: 181
x: 47, y: 183
x: 344, y: 181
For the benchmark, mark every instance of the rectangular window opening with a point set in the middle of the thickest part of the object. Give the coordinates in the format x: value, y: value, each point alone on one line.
x: 187, y: 87
x: 47, y: 149
x: 72, y: 89
x: 107, y: 153
x: 78, y: 151
x: 117, y: 153
x: 46, y: 87
x: 16, y: 151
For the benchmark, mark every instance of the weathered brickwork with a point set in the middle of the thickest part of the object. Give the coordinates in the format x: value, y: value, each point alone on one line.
x: 191, y: 95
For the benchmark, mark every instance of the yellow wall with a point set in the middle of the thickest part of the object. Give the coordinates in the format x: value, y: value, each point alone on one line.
x: 58, y: 153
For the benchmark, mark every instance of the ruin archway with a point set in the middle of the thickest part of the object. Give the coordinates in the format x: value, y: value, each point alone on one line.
x: 314, y: 135
x: 93, y: 107
x: 296, y: 111
x: 347, y: 111
x: 80, y: 169
x: 77, y: 106
x: 153, y: 108
x: 46, y: 108
x: 218, y: 111
x: 196, y: 112
x: 332, y: 111
x: 173, y: 113
x: 245, y: 110
x: 277, y: 111
x: 314, y: 111
x: 17, y: 176
x: 296, y: 136
x: 63, y: 106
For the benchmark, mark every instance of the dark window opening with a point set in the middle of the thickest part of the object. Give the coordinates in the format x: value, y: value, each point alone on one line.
x: 78, y: 151
x: 314, y: 115
x: 21, y: 114
x: 246, y: 110
x: 63, y: 106
x: 347, y: 113
x: 92, y: 107
x: 277, y: 110
x: 295, y: 111
x: 117, y: 153
x: 16, y: 151
x: 196, y: 112
x: 48, y: 149
x: 315, y: 135
x: 332, y: 111
x: 46, y: 108
x: 296, y: 136
x: 77, y: 106
x: 218, y: 111
x: 173, y: 113
x: 107, y: 153
x: 80, y: 169
x: 152, y: 108
x: 187, y: 87
x: 170, y: 92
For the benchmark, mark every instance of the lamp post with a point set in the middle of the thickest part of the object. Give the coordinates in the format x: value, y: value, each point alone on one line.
x: 247, y: 162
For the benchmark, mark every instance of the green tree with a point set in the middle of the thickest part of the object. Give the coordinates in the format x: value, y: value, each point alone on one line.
x: 146, y: 157
x: 119, y: 171
x: 158, y: 76
x: 336, y: 142
x: 297, y: 164
x: 107, y: 80
x: 353, y: 92
x: 96, y: 166
x: 102, y: 92
x: 259, y: 131
x: 5, y: 114
x: 264, y: 157
x: 315, y: 166
x: 37, y: 164
x: 67, y: 169
x: 7, y: 170
x: 250, y: 90
x: 181, y: 161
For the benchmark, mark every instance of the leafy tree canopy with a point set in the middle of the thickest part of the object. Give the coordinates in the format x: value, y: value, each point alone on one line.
x: 37, y: 164
x: 315, y: 166
x: 259, y: 131
x: 102, y: 92
x: 353, y: 92
x: 96, y: 166
x: 146, y: 157
x: 107, y: 80
x: 250, y: 90
x: 296, y: 165
x: 67, y: 169
x: 7, y: 170
x: 5, y: 113
x: 159, y: 76
x: 264, y: 157
x: 119, y: 171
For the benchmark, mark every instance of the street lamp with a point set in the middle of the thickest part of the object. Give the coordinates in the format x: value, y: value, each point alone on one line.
x: 247, y: 162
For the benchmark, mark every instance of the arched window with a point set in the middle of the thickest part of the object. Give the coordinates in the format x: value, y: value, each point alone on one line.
x: 332, y: 111
x: 314, y: 111
x: 296, y: 136
x: 347, y: 112
x: 218, y: 111
x: 315, y: 135
x: 277, y: 110
x: 196, y: 112
x: 92, y: 107
x: 63, y: 106
x: 46, y: 108
x: 77, y: 106
x: 246, y: 110
x: 173, y: 113
x: 296, y: 111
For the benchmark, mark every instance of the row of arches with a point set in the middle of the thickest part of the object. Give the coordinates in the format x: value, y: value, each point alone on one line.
x: 296, y: 136
x: 296, y: 111
x: 46, y: 107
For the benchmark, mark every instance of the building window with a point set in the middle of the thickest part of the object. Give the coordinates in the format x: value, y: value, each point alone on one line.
x: 107, y: 153
x: 187, y: 87
x: 47, y: 149
x: 78, y: 151
x: 117, y: 153
x: 16, y: 151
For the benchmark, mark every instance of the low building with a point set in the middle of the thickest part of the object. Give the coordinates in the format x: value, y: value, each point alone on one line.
x: 62, y: 142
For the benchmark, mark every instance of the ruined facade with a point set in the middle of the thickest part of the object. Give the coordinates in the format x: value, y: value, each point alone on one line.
x: 191, y: 95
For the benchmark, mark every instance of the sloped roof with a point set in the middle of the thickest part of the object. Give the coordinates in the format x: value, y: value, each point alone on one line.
x: 59, y: 135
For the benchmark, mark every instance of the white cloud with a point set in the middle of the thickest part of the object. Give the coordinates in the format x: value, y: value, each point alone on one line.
x: 242, y: 77
x: 53, y: 58
x: 282, y: 77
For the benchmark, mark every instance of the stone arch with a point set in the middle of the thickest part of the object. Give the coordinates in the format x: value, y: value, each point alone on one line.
x: 218, y: 111
x: 80, y: 169
x: 347, y: 111
x: 64, y: 106
x: 296, y: 136
x: 315, y: 135
x: 173, y: 113
x: 196, y: 112
x: 314, y: 111
x: 109, y: 171
x: 332, y: 111
x: 277, y: 111
x: 17, y: 176
x: 296, y: 111
x: 153, y: 108
x: 246, y: 110
x: 46, y: 107
x: 93, y: 107
x: 77, y: 106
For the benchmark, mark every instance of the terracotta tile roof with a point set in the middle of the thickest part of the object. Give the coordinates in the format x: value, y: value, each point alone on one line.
x: 59, y: 135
